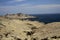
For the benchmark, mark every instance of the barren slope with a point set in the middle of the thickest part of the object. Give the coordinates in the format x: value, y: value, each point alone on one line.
x: 15, y: 29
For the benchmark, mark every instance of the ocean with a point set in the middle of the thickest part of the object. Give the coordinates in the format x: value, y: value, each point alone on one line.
x: 46, y: 18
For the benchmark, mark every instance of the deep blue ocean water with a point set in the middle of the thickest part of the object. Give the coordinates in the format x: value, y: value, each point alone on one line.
x: 46, y: 18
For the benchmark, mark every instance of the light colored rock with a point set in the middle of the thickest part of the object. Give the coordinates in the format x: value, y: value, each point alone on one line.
x: 15, y: 29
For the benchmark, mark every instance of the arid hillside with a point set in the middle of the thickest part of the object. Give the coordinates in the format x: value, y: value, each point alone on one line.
x: 16, y: 29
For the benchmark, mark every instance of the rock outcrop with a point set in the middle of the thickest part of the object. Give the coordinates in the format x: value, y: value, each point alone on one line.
x: 16, y: 29
x: 18, y: 15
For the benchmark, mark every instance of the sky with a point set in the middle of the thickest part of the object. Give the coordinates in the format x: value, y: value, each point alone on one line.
x: 29, y: 6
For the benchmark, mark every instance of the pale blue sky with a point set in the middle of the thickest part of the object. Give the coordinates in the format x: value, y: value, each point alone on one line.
x: 29, y: 6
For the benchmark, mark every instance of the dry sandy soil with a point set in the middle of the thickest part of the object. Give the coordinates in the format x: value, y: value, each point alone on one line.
x: 15, y: 29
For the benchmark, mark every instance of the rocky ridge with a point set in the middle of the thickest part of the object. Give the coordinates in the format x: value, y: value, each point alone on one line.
x: 18, y: 15
x: 16, y: 29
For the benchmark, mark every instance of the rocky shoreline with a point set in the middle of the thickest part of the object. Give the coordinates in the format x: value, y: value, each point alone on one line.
x: 16, y: 29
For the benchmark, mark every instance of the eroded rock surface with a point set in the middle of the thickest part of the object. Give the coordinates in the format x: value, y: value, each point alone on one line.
x: 15, y: 29
x: 18, y: 29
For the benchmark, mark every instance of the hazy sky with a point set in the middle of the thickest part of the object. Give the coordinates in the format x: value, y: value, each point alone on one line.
x: 29, y: 6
